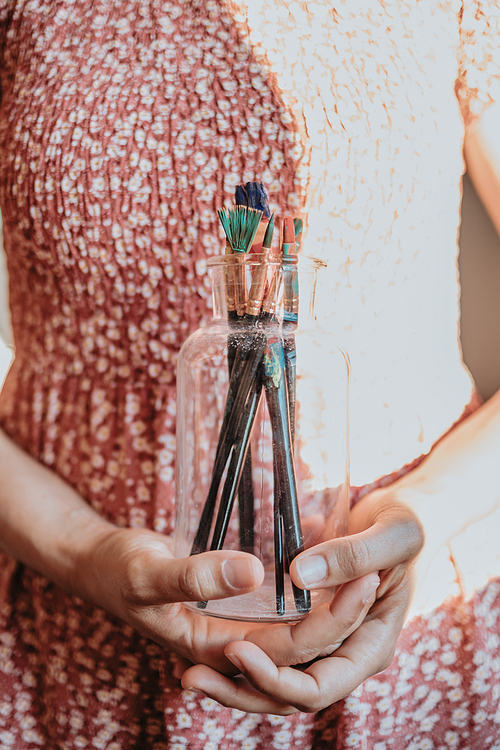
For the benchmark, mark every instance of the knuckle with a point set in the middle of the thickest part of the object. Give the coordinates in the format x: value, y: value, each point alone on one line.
x: 195, y: 580
x: 134, y: 588
x: 416, y: 537
x: 313, y: 700
x: 313, y: 706
x: 410, y: 536
x: 347, y: 624
x: 343, y: 623
x: 408, y: 529
x: 352, y: 557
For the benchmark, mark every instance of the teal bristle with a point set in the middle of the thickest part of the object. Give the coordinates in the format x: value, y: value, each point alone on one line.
x: 240, y: 225
x: 297, y: 226
x: 268, y: 237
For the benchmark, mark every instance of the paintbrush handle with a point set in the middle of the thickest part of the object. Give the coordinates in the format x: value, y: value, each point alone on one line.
x: 234, y: 472
x: 246, y: 503
x: 290, y: 352
x: 279, y: 548
x: 222, y: 451
x: 235, y: 468
x: 246, y: 361
x: 246, y: 500
x: 277, y: 402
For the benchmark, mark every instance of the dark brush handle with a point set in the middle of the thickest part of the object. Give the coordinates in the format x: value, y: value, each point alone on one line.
x: 243, y: 375
x: 277, y: 402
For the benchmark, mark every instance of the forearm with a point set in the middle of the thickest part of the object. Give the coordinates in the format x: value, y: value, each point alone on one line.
x: 44, y: 522
x: 483, y: 169
x: 459, y: 482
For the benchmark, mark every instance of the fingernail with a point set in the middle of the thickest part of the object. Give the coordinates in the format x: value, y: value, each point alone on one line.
x: 235, y: 660
x: 238, y: 573
x: 370, y: 590
x: 312, y: 570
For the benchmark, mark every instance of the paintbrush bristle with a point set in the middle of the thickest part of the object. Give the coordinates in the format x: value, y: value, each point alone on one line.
x: 240, y: 225
x: 253, y: 195
x: 268, y: 237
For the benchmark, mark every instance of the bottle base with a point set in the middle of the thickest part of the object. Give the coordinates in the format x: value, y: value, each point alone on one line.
x: 260, y: 605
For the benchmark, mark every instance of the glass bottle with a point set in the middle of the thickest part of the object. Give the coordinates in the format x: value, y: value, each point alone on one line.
x: 262, y: 454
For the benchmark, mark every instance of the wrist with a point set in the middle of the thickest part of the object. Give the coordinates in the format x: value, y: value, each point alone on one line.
x: 44, y: 522
x: 77, y: 566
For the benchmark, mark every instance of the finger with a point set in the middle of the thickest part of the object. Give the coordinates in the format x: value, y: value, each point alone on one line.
x: 154, y: 577
x: 180, y: 665
x: 395, y: 537
x: 271, y: 689
x: 191, y: 636
x: 233, y: 693
x: 321, y: 631
x: 368, y: 650
x: 281, y: 690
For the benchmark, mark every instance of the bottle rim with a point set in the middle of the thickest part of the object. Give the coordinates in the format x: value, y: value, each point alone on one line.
x: 303, y: 262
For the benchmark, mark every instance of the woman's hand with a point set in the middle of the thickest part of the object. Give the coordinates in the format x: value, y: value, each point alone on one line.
x: 385, y: 538
x: 456, y: 485
x: 133, y: 574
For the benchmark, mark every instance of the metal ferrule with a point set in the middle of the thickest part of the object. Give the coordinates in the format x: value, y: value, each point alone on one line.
x: 258, y: 285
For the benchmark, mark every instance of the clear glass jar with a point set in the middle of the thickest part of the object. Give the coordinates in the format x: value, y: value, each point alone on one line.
x: 262, y: 456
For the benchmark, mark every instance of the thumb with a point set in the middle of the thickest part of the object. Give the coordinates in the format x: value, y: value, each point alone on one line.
x: 395, y: 538
x: 210, y: 575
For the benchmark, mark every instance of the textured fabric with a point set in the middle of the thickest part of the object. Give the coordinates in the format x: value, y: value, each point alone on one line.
x: 123, y: 126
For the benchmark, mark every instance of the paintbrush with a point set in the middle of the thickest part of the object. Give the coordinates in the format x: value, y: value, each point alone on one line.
x: 287, y: 528
x: 243, y: 380
x: 292, y: 228
x: 238, y: 419
x: 285, y: 490
x: 254, y: 195
x: 240, y: 226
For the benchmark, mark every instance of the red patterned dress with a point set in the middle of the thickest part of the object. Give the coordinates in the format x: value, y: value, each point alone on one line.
x: 123, y: 126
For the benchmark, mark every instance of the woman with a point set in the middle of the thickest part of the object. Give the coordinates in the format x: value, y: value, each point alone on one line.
x: 123, y: 126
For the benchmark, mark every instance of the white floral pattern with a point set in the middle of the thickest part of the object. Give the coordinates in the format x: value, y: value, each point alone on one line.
x: 123, y: 126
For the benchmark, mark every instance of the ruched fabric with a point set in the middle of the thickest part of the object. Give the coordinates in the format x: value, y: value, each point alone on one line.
x: 123, y: 126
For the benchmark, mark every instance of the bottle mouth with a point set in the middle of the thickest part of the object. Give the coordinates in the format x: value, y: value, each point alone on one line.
x: 303, y: 262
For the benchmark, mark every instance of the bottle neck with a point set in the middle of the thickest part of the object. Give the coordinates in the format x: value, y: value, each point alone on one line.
x: 263, y: 286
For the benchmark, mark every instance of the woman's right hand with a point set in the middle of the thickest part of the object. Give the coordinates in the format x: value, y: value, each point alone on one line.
x: 132, y: 573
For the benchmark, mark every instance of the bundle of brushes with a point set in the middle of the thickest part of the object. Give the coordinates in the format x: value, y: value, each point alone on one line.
x: 261, y: 363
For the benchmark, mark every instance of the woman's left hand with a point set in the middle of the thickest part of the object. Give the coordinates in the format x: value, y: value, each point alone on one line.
x: 300, y: 666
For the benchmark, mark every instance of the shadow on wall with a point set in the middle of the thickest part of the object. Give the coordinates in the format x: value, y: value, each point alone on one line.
x: 479, y: 265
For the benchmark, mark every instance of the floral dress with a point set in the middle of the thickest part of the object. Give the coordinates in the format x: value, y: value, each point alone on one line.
x: 123, y: 126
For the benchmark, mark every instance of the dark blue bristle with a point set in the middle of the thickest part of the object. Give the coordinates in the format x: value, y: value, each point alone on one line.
x: 253, y: 195
x: 240, y: 196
